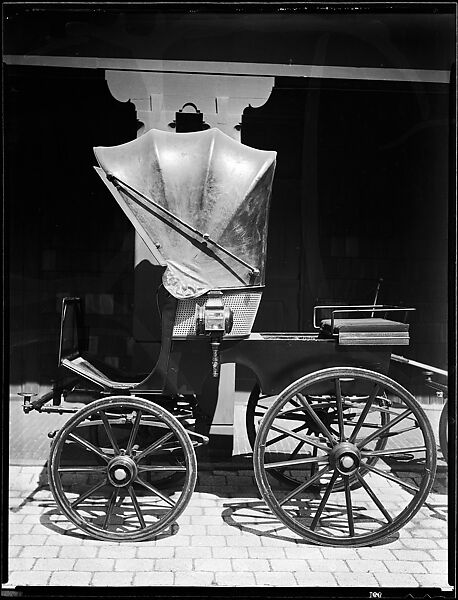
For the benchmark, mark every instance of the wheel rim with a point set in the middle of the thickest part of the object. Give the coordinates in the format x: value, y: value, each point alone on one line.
x: 325, y: 506
x: 443, y: 431
x: 259, y: 404
x: 103, y: 463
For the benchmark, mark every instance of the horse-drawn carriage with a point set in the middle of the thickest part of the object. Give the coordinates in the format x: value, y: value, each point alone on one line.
x: 328, y: 427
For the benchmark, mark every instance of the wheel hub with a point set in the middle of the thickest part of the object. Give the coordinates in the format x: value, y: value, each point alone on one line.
x: 122, y: 470
x: 346, y: 458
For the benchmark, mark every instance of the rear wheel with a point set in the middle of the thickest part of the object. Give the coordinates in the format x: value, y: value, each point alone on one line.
x: 107, y: 488
x: 324, y: 507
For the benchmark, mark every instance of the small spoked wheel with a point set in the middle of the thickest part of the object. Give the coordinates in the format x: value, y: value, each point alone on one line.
x: 104, y: 461
x: 359, y: 478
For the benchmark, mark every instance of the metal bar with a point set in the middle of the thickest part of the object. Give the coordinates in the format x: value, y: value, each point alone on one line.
x: 420, y: 365
x: 206, y: 238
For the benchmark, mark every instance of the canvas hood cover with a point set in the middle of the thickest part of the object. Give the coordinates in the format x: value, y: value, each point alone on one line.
x: 200, y: 203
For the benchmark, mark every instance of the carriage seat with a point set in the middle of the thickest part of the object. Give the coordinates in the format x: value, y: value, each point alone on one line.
x: 367, y: 331
x: 86, y: 369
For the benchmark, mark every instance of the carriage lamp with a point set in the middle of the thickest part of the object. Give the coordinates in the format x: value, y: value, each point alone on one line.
x: 214, y: 319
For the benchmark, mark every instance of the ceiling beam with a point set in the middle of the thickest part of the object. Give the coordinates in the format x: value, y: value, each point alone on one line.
x: 232, y: 68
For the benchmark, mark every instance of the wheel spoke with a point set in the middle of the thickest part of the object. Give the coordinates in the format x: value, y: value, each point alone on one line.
x: 297, y: 461
x: 305, y: 485
x: 374, y: 498
x: 297, y: 449
x: 145, y: 468
x: 339, y: 409
x: 316, y: 419
x: 88, y: 493
x: 364, y: 412
x: 155, y: 491
x: 383, y: 429
x: 285, y: 434
x: 294, y: 453
x: 392, y: 452
x: 88, y: 446
x: 134, y: 431
x: 154, y: 446
x: 409, y: 486
x: 326, y: 495
x: 110, y: 506
x: 351, y: 525
x: 399, y: 431
x: 133, y: 496
x: 305, y: 439
x: 109, y: 431
x: 78, y: 469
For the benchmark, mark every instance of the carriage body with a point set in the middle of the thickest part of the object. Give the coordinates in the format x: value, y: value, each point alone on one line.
x: 200, y: 202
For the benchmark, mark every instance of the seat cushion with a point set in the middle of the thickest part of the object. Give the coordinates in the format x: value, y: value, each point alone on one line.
x: 367, y: 324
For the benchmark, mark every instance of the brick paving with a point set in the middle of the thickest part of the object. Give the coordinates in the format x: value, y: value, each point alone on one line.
x: 221, y: 539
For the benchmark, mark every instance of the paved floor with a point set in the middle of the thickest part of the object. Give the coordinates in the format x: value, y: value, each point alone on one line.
x: 223, y: 538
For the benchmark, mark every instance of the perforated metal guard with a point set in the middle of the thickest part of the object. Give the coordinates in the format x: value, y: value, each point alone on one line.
x: 244, y: 305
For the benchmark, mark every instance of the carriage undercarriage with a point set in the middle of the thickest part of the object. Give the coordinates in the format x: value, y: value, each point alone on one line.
x: 331, y: 433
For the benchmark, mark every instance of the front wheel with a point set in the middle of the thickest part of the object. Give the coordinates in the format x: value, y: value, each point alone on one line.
x: 103, y: 462
x: 325, y: 507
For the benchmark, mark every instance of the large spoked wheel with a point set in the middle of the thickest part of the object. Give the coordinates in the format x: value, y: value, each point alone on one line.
x: 325, y: 408
x: 324, y: 507
x: 103, y: 463
x: 443, y: 431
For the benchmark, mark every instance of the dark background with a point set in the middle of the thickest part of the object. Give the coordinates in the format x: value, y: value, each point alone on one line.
x: 362, y: 189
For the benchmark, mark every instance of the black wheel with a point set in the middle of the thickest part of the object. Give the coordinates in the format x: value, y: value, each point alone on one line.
x: 443, y: 431
x: 258, y: 405
x: 107, y: 488
x: 324, y: 507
